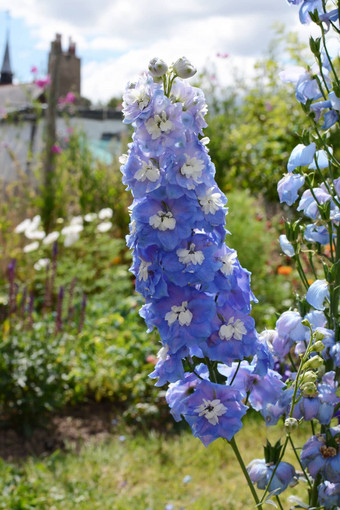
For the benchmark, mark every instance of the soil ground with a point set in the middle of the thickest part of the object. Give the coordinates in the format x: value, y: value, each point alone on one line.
x: 70, y: 428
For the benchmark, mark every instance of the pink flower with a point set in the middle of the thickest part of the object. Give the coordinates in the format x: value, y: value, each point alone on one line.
x: 68, y: 99
x: 34, y: 69
x: 56, y: 149
x: 43, y: 82
x: 222, y: 55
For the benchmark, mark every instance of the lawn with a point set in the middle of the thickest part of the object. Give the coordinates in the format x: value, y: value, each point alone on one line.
x: 135, y: 471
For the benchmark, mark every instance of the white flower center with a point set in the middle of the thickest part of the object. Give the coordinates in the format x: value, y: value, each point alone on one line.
x: 148, y: 171
x: 190, y: 256
x: 163, y: 221
x: 143, y: 273
x: 140, y: 97
x: 180, y: 314
x: 137, y: 95
x: 211, y: 202
x: 163, y: 353
x: 211, y: 410
x: 228, y: 260
x: 157, y: 125
x: 192, y: 168
x: 234, y: 329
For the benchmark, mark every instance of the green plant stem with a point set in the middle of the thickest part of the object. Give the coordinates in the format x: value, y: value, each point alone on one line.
x: 232, y: 443
x: 301, y: 271
x: 279, y: 502
x: 330, y: 155
x: 310, y: 257
x: 298, y: 459
x: 328, y: 56
x: 320, y: 84
x: 334, y: 305
x: 238, y: 366
x: 292, y: 362
x: 314, y: 492
x: 312, y: 427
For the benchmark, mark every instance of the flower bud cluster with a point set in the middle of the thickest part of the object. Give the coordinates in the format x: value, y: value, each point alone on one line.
x: 197, y: 294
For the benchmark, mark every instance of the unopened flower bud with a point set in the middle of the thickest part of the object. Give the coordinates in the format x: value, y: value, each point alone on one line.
x: 314, y: 362
x: 305, y: 322
x: 291, y: 423
x: 309, y: 377
x: 318, y: 335
x: 318, y: 346
x: 157, y: 67
x: 183, y: 68
x: 309, y: 389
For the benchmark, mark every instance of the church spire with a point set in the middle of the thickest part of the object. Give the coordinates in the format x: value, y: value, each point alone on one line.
x: 6, y: 70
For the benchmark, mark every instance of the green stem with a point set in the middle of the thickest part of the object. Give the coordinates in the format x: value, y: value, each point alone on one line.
x: 301, y: 271
x: 238, y: 366
x: 292, y: 362
x: 232, y: 443
x: 299, y: 461
x: 328, y: 56
x: 312, y: 427
x: 279, y: 502
x: 314, y: 492
x: 310, y: 257
x: 334, y: 305
x: 326, y: 148
x: 319, y: 82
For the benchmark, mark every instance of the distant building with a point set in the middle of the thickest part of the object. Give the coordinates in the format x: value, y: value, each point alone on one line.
x: 69, y: 67
x: 22, y: 131
x: 6, y: 77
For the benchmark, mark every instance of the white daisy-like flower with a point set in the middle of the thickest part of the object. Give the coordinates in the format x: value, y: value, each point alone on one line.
x: 41, y: 264
x: 90, y: 217
x: 76, y: 220
x: 71, y: 234
x: 51, y: 237
x: 31, y: 247
x: 105, y: 214
x: 104, y: 227
x: 20, y: 229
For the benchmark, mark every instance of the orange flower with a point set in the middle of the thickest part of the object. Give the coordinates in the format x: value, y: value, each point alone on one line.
x: 285, y: 270
x: 327, y: 250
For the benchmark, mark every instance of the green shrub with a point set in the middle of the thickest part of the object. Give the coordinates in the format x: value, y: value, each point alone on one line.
x: 34, y: 374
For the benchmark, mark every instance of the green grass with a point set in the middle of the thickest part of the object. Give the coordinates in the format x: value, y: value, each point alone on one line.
x: 142, y: 472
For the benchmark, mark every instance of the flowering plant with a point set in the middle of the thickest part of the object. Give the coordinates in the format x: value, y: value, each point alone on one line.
x: 199, y: 297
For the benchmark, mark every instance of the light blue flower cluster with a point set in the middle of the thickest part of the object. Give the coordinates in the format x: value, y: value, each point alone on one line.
x: 315, y: 87
x: 197, y: 294
x: 306, y: 341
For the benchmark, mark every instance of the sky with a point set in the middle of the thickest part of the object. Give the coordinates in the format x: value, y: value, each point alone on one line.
x: 116, y: 38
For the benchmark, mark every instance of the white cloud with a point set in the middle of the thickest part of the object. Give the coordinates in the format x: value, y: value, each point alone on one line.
x: 137, y: 30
